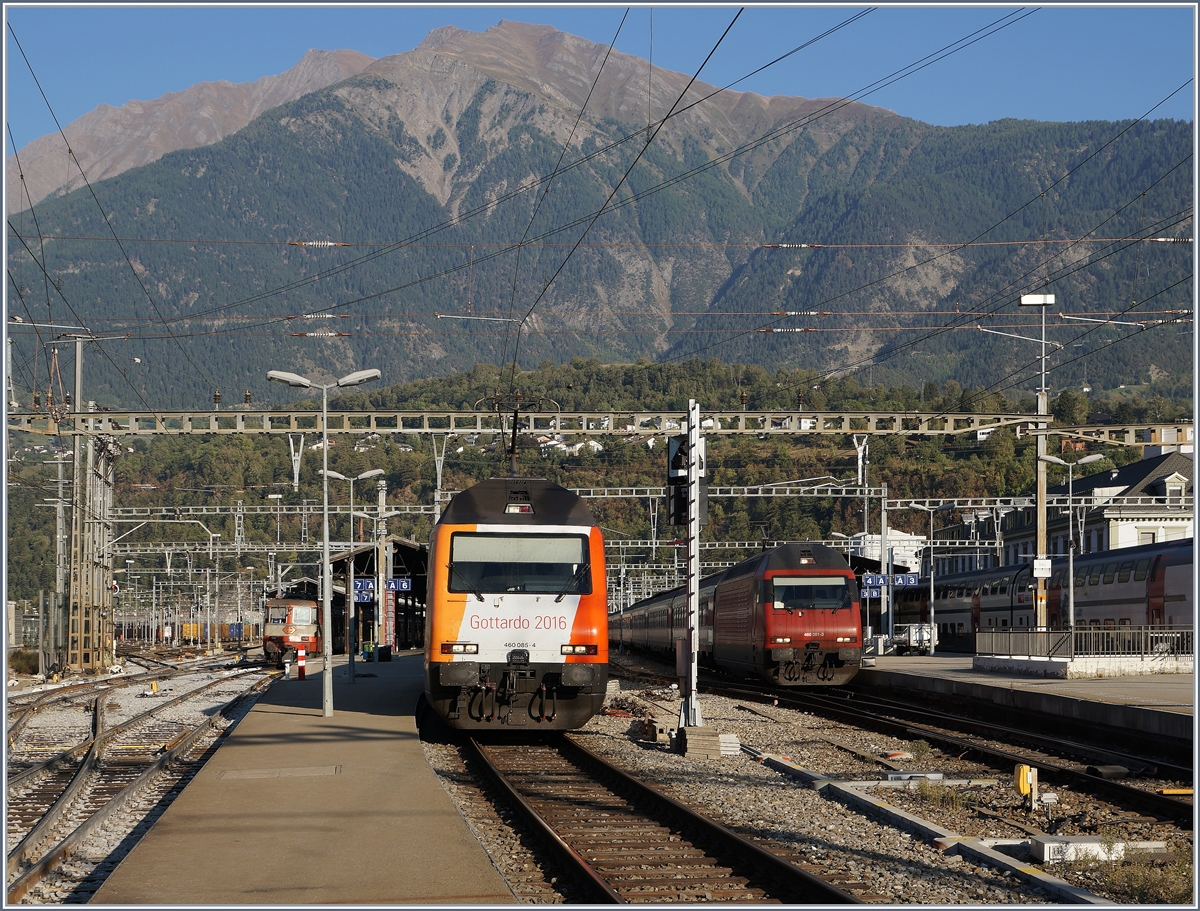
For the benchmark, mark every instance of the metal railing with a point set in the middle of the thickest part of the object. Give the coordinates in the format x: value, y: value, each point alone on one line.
x: 1093, y: 641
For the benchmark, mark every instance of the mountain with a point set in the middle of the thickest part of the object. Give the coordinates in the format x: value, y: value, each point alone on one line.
x: 108, y: 140
x: 432, y: 190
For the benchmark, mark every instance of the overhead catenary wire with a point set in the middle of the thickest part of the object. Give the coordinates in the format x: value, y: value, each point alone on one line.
x: 557, y: 167
x: 482, y: 209
x: 620, y: 183
x: 103, y: 213
x: 994, y: 226
x: 106, y: 355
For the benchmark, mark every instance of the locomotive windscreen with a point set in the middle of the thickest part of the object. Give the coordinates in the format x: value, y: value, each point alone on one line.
x: 547, y: 564
x: 301, y: 614
x: 811, y: 593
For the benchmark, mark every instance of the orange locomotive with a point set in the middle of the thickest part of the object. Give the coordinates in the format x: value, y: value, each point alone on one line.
x: 292, y: 623
x: 516, y: 628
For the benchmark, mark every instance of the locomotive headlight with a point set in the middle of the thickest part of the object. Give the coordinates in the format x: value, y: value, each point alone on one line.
x: 783, y: 640
x: 847, y: 638
x: 579, y: 650
x: 460, y: 648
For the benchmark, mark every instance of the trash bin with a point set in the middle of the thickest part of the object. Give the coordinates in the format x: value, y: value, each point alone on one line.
x: 385, y: 653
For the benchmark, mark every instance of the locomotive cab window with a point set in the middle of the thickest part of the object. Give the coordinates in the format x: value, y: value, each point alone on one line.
x: 541, y: 564
x: 809, y: 593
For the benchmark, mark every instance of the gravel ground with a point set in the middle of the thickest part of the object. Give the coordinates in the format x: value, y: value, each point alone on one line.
x: 891, y: 865
x: 758, y: 802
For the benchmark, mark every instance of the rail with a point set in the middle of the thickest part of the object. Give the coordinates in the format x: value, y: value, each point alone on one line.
x: 1091, y: 642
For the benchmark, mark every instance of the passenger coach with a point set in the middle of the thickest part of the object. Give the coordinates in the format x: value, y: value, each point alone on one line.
x: 516, y: 629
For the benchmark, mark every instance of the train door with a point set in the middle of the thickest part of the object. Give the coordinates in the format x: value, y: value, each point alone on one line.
x: 1155, y: 592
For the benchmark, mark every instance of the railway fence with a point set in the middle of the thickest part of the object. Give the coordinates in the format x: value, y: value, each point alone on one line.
x: 1092, y: 642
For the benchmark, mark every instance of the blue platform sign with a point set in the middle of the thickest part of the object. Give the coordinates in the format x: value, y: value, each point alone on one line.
x: 363, y: 597
x: 364, y: 585
x: 872, y: 592
x: 902, y: 579
x: 399, y: 585
x: 875, y: 580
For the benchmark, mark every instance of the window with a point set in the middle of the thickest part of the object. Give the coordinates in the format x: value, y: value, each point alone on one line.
x: 1126, y: 569
x: 304, y: 616
x: 547, y: 564
x: 1094, y: 577
x: 811, y: 593
x: 1004, y: 622
x: 1124, y: 621
x: 1110, y: 571
x: 1140, y: 570
x: 1081, y: 577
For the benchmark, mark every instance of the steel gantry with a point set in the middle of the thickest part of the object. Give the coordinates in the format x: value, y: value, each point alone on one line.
x: 131, y: 423
x: 599, y: 423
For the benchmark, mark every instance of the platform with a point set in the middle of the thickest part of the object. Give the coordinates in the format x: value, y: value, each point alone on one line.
x: 296, y: 808
x: 1161, y: 704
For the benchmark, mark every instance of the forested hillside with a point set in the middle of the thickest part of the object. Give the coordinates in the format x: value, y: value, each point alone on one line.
x: 449, y: 187
x: 225, y: 469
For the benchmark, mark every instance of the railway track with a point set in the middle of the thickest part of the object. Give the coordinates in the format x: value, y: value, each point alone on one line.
x: 67, y: 815
x: 1003, y: 747
x: 628, y: 843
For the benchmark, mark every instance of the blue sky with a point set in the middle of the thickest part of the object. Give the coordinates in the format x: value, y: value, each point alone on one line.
x: 1060, y: 63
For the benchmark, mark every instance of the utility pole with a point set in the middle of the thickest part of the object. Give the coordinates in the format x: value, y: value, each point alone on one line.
x: 1041, y: 567
x: 382, y: 622
x: 692, y: 471
x: 860, y: 444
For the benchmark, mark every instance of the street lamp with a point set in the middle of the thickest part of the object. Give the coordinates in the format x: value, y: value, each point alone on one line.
x: 1070, y: 466
x: 932, y: 614
x: 353, y: 379
x: 351, y: 595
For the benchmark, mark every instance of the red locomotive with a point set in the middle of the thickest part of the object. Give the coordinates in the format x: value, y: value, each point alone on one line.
x: 292, y: 624
x: 789, y: 616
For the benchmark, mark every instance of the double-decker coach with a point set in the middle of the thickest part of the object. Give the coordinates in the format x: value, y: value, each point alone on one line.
x: 1147, y: 585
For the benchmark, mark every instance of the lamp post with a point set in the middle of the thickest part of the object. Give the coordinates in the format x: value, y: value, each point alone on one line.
x: 1070, y: 466
x: 932, y: 510
x: 353, y: 379
x: 351, y: 594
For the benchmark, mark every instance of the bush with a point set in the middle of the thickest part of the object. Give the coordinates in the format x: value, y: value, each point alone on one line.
x: 941, y: 796
x: 23, y: 661
x: 1152, y: 879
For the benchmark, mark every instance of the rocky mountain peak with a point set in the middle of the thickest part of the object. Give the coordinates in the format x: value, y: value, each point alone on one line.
x: 109, y: 140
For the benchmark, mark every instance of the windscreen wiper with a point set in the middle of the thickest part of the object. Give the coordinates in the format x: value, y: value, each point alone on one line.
x: 573, y: 581
x: 471, y: 588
